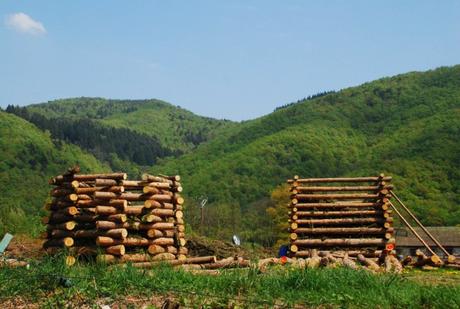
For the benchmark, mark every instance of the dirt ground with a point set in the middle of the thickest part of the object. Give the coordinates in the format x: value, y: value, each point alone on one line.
x: 23, y: 247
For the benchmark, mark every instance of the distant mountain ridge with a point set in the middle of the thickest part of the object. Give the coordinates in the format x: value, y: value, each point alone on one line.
x: 137, y: 131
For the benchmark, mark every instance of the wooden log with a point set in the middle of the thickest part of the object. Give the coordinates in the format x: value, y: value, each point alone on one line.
x: 152, y: 204
x: 109, y: 210
x: 349, y: 263
x: 118, y: 203
x: 344, y: 213
x: 331, y: 242
x: 105, y: 225
x: 314, y: 260
x: 162, y: 212
x: 70, y: 225
x: 116, y: 218
x: 128, y: 242
x: 116, y: 233
x: 340, y: 179
x: 174, y: 178
x: 134, y: 210
x: 84, y: 197
x: 155, y: 249
x: 150, y: 190
x: 74, y: 234
x: 165, y: 256
x: 153, y: 233
x: 162, y: 241
x: 151, y: 218
x: 343, y: 230
x: 371, y: 265
x: 171, y: 249
x: 423, y: 260
x: 178, y: 214
x: 342, y: 254
x: 161, y: 185
x: 182, y: 250
x: 116, y: 250
x: 61, y: 192
x: 344, y: 188
x: 336, y: 205
x: 69, y: 211
x: 239, y: 263
x: 106, y: 182
x: 153, y: 264
x: 90, y: 190
x: 335, y: 196
x: 117, y: 176
x: 201, y: 260
x: 151, y: 178
x: 171, y: 233
x: 348, y: 221
x: 59, y: 242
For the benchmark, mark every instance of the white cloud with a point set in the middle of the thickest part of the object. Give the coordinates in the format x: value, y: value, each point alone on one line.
x: 24, y: 23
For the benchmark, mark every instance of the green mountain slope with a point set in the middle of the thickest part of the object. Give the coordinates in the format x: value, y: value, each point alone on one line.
x: 176, y: 128
x: 407, y: 126
x: 29, y: 157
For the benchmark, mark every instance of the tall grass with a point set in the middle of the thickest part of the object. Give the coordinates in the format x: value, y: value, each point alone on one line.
x: 49, y: 282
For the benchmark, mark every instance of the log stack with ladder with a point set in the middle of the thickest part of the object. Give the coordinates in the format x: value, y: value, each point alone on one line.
x: 351, y: 214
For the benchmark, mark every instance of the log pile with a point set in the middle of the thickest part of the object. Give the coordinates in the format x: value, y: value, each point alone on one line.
x: 340, y: 213
x: 116, y: 219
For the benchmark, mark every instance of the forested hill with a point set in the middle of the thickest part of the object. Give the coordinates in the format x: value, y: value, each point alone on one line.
x: 28, y: 158
x: 407, y: 126
x: 122, y: 132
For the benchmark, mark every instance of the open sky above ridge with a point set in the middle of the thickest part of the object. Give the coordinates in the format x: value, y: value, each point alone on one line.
x: 224, y: 59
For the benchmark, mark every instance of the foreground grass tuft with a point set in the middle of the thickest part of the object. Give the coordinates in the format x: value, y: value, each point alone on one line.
x: 50, y: 283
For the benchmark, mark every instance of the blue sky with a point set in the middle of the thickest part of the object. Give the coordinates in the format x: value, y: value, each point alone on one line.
x: 225, y: 59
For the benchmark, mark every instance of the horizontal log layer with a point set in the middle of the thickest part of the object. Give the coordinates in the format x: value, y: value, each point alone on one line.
x: 342, y: 230
x: 350, y: 253
x: 129, y: 196
x: 83, y: 177
x: 90, y: 190
x: 106, y: 182
x: 59, y: 242
x: 336, y: 205
x: 105, y: 225
x: 331, y: 242
x: 340, y: 179
x: 300, y: 197
x: 340, y: 221
x: 344, y: 188
x: 151, y: 178
x: 93, y: 233
x: 132, y: 241
x: 345, y: 213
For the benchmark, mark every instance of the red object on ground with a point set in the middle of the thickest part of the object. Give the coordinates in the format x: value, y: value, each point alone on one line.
x: 390, y: 247
x: 283, y: 260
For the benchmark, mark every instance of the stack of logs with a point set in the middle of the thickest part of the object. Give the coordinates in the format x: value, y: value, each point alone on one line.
x: 116, y: 219
x: 330, y: 213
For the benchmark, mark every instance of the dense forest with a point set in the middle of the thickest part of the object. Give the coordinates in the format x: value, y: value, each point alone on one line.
x: 28, y: 158
x: 105, y: 142
x: 406, y: 126
x: 176, y: 129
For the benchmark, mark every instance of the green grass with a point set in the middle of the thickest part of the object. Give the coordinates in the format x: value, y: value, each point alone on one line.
x: 41, y: 284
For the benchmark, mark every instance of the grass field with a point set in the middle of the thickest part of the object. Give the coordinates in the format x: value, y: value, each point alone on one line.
x: 48, y: 283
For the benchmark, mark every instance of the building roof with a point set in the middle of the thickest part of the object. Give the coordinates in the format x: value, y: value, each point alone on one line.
x: 448, y: 236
